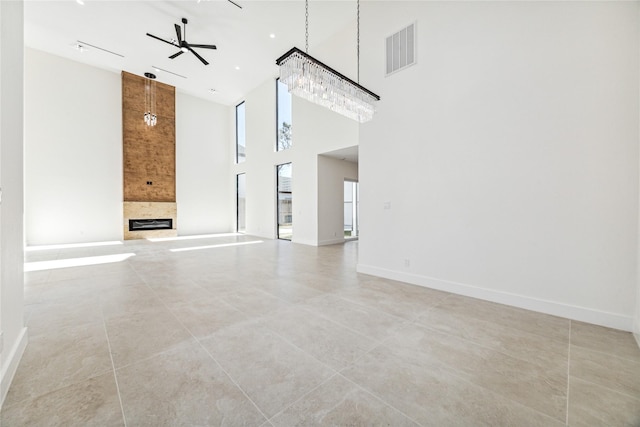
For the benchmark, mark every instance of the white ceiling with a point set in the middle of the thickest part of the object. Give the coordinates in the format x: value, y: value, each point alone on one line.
x: 349, y: 154
x: 241, y: 35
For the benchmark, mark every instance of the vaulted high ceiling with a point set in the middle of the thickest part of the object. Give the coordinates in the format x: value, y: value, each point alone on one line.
x: 246, y: 52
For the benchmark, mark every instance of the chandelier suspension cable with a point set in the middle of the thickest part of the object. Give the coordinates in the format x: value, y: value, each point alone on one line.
x: 316, y: 82
x: 150, y: 116
x: 358, y: 39
x: 306, y: 26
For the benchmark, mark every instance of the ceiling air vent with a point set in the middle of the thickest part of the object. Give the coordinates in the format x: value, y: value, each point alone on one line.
x: 401, y: 49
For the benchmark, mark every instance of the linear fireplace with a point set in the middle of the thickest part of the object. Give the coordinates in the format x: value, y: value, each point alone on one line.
x: 150, y: 224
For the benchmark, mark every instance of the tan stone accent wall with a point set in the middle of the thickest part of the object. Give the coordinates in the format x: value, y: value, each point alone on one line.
x: 149, y: 152
x: 150, y: 210
x: 149, y: 157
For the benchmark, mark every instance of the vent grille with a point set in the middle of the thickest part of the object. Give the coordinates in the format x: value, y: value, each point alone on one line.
x: 401, y: 49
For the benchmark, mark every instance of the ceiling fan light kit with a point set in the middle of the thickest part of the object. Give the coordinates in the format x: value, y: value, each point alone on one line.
x: 314, y: 81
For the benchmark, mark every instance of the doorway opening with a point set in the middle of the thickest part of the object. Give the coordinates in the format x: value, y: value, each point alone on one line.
x: 241, y: 183
x: 351, y: 209
x: 284, y: 206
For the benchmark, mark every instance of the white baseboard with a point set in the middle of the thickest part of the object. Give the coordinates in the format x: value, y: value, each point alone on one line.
x: 11, y: 363
x: 305, y: 242
x: 331, y: 241
x: 583, y: 314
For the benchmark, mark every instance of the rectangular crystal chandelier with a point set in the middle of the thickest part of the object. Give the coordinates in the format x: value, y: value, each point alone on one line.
x: 312, y: 80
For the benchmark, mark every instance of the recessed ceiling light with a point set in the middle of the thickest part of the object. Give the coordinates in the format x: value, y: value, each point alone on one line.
x: 273, y: 36
x: 79, y: 47
x: 213, y: 91
x: 237, y: 67
x: 80, y: 2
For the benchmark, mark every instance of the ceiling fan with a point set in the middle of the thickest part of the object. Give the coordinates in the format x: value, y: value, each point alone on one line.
x: 182, y: 43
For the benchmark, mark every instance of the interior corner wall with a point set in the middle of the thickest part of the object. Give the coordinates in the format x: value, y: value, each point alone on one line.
x: 73, y: 151
x: 504, y: 164
x: 202, y: 166
x: 332, y: 173
x: 315, y: 130
x: 261, y: 159
x: 636, y: 326
x: 14, y: 332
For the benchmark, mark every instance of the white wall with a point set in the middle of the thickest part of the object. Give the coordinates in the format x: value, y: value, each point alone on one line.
x: 14, y: 333
x: 73, y: 151
x: 331, y: 176
x: 73, y: 155
x: 315, y: 130
x: 509, y: 154
x: 261, y: 158
x: 205, y: 204
x: 636, y: 327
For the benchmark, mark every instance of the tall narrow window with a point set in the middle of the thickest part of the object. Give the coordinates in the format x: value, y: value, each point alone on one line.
x: 283, y: 116
x: 240, y: 133
x: 285, y: 211
x: 241, y: 184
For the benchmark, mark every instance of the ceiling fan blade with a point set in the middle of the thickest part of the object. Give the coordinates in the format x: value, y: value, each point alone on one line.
x: 162, y: 40
x: 178, y: 32
x: 203, y: 46
x: 198, y: 56
x: 176, y: 54
x: 234, y: 3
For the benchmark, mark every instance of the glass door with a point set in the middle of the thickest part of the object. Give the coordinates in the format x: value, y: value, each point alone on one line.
x: 241, y: 202
x: 351, y: 209
x: 285, y: 211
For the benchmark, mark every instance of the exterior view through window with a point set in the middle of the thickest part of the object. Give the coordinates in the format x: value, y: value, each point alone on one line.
x: 285, y: 212
x: 351, y: 208
x: 283, y: 116
x: 240, y: 133
x: 240, y: 202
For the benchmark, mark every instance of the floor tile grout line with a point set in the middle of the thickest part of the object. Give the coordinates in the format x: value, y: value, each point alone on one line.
x: 379, y: 398
x: 450, y: 370
x: 283, y: 410
x: 374, y: 340
x: 208, y: 353
x: 568, y: 373
x: 481, y: 345
x: 617, y: 391
x: 455, y: 373
x: 113, y: 366
x: 233, y: 380
x: 288, y: 341
x: 5, y: 405
x: 515, y: 329
x: 608, y: 354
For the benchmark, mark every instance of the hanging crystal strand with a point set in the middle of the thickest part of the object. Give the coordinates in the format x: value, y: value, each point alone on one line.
x: 147, y: 115
x: 154, y: 116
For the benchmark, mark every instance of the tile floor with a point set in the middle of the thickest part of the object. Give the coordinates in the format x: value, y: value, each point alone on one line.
x: 279, y: 334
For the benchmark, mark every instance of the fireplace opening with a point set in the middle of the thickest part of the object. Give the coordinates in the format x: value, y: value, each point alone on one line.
x: 150, y: 224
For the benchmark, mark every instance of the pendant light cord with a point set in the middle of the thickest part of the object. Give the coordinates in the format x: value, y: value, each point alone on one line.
x: 306, y: 26
x: 358, y: 39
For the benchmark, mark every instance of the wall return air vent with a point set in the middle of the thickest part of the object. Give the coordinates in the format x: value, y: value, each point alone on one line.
x: 401, y: 49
